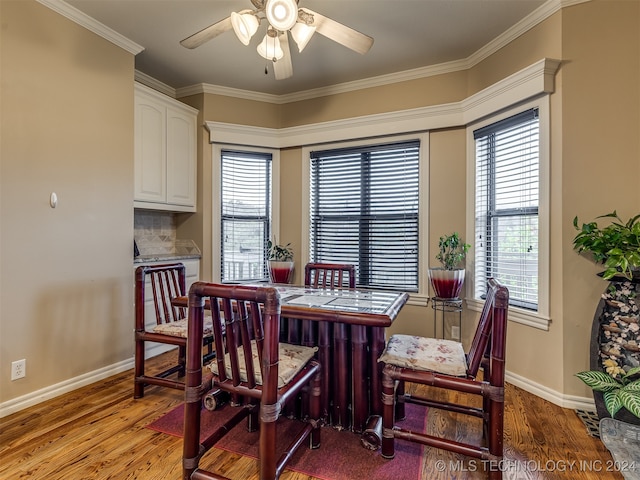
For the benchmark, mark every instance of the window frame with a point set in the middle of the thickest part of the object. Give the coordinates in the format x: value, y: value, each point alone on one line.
x: 536, y: 318
x: 216, y: 200
x: 421, y: 296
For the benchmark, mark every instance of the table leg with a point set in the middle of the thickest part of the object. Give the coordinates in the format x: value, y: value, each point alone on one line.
x: 324, y: 357
x: 340, y: 417
x: 371, y: 437
x: 294, y: 334
x: 377, y: 342
x: 360, y: 377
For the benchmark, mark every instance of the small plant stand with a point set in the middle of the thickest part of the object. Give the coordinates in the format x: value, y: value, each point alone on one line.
x: 446, y: 306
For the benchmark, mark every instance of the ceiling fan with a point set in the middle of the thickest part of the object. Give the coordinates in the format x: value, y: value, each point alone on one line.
x: 282, y: 16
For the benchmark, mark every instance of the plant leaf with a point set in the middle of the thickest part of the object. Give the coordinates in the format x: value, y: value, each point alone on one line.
x: 613, y: 214
x: 599, y: 381
x: 632, y: 387
x: 630, y: 400
x: 613, y: 402
x: 632, y: 372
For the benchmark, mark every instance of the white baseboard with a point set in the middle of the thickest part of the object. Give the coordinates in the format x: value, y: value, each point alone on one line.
x: 565, y: 401
x: 52, y: 391
x: 30, y: 399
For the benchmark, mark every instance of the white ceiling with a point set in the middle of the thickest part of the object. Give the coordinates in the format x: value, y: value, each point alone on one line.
x: 408, y: 34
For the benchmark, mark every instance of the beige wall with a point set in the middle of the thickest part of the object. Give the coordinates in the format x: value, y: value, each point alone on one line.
x: 388, y: 98
x: 67, y: 126
x: 66, y: 298
x: 600, y: 152
x: 594, y: 123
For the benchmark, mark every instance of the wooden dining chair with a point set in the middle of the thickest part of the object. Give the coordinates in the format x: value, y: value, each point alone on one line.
x: 260, y: 374
x: 165, y: 282
x: 444, y: 364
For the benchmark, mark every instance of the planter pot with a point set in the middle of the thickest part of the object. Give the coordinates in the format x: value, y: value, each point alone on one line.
x: 623, y: 441
x: 280, y: 272
x: 446, y: 283
x: 615, y: 335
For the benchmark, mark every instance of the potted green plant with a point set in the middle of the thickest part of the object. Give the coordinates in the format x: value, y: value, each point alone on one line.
x: 615, y: 336
x: 616, y: 246
x: 280, y: 260
x: 620, y: 389
x: 447, y: 280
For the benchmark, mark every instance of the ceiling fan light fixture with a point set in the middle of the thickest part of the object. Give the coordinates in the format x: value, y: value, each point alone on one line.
x: 270, y: 49
x: 244, y: 25
x: 302, y: 33
x: 281, y: 14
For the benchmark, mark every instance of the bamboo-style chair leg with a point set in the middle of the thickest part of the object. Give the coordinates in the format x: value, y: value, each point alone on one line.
x: 388, y: 407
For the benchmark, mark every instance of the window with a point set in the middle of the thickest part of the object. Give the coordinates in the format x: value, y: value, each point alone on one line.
x: 364, y: 211
x: 245, y: 214
x: 507, y: 200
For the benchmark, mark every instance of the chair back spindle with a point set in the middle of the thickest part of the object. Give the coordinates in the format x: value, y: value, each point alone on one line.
x: 165, y: 285
x: 411, y: 359
x: 330, y: 275
x: 251, y: 317
x: 159, y: 285
x: 480, y: 343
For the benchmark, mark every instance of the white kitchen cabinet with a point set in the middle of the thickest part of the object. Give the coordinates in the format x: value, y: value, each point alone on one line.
x: 192, y: 274
x: 165, y: 152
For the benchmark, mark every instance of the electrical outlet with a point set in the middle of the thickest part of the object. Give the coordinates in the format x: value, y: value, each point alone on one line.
x: 455, y: 332
x: 18, y: 369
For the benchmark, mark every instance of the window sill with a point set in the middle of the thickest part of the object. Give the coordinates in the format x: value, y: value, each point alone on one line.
x: 517, y: 315
x: 418, y: 299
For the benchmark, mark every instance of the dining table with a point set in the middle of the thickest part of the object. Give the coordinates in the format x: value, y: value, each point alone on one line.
x: 354, y: 337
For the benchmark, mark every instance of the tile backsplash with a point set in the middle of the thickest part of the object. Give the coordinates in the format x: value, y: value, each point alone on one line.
x: 155, y: 234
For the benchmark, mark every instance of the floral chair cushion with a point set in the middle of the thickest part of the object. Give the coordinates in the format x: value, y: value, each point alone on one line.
x: 428, y: 354
x: 292, y: 359
x: 179, y: 328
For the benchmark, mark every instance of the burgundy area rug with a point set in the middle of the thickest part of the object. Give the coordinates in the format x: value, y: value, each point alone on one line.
x: 341, y: 456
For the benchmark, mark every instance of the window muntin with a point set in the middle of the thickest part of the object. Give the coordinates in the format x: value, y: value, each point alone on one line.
x: 364, y: 211
x: 245, y: 214
x: 507, y: 207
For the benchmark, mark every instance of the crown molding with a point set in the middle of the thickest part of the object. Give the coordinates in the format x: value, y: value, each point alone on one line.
x: 536, y: 17
x: 93, y: 25
x: 412, y: 120
x: 529, y: 82
x: 227, y: 92
x: 378, y: 81
x: 151, y: 82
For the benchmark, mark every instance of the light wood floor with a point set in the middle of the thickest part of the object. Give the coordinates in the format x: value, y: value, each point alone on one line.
x: 98, y: 432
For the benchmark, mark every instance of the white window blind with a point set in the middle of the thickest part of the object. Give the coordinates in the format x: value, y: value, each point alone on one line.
x: 246, y: 214
x: 364, y: 211
x: 507, y: 201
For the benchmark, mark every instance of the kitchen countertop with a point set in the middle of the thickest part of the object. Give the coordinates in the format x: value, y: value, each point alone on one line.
x: 165, y: 257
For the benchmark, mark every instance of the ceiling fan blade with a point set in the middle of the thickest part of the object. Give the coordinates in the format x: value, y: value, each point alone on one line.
x: 347, y: 36
x: 207, y: 33
x: 282, y: 68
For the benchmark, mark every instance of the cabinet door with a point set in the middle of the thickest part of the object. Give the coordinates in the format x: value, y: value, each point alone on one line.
x: 150, y: 151
x: 181, y: 158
